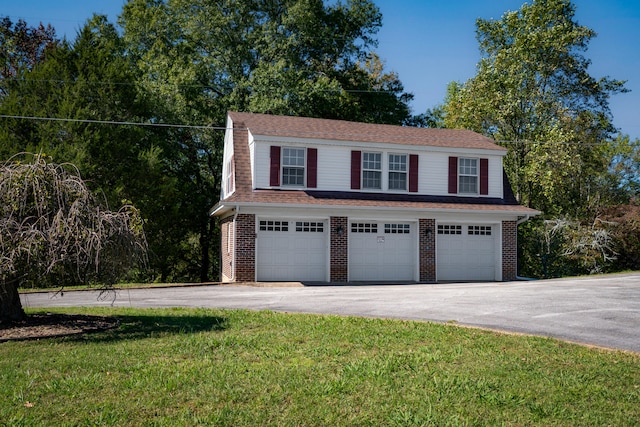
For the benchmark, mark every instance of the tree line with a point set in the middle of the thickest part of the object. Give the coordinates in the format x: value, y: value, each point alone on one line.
x: 179, y: 65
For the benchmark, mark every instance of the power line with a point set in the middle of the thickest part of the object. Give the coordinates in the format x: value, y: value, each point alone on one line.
x: 223, y: 128
x: 113, y: 122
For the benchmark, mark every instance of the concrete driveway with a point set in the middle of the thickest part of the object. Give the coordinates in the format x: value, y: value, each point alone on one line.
x: 602, y: 311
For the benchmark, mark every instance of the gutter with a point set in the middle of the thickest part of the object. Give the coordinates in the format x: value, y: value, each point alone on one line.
x: 526, y: 218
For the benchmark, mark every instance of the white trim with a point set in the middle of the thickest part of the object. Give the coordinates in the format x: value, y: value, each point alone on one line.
x: 390, y: 146
x: 463, y: 210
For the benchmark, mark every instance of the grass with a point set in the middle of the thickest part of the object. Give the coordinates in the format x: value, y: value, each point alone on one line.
x: 235, y: 368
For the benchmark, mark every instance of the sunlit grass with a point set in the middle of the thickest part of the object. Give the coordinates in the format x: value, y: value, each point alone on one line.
x: 221, y: 367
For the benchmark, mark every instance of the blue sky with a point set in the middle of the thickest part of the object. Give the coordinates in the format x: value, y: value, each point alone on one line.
x: 430, y: 43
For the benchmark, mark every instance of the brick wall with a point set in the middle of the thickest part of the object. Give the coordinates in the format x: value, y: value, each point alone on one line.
x: 226, y: 248
x: 427, y: 250
x: 509, y: 250
x: 245, y: 267
x: 339, y: 249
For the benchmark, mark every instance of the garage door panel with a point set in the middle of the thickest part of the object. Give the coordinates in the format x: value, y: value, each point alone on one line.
x: 291, y: 251
x: 466, y: 252
x: 382, y: 251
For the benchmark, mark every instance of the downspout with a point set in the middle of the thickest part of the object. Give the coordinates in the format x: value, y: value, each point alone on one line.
x: 523, y: 219
x: 235, y: 234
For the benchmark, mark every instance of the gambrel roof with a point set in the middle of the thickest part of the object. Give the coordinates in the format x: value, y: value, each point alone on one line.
x: 310, y: 129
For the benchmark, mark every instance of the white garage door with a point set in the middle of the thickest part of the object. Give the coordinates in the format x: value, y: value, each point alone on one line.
x: 382, y: 251
x: 291, y: 250
x: 466, y: 252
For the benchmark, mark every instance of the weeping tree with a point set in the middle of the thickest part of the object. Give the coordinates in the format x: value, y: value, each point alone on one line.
x: 54, y: 230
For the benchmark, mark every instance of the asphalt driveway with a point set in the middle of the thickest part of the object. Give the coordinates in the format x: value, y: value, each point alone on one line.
x: 602, y: 311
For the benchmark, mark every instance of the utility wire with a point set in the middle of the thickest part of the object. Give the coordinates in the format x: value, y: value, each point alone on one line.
x: 223, y: 128
x: 113, y: 122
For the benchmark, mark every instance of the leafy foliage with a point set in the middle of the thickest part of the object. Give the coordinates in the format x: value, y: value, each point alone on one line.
x: 626, y: 235
x: 52, y: 229
x: 534, y: 95
x: 22, y: 47
x: 562, y: 247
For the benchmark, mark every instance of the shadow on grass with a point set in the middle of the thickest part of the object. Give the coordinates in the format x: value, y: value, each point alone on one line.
x: 133, y: 327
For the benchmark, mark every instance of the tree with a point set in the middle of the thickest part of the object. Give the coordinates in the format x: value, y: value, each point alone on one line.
x: 22, y: 48
x: 92, y: 79
x: 534, y: 95
x: 198, y: 59
x: 563, y: 247
x: 52, y: 228
x: 626, y: 164
x: 625, y: 220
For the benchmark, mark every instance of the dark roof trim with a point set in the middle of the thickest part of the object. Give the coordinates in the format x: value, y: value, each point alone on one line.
x: 411, y: 198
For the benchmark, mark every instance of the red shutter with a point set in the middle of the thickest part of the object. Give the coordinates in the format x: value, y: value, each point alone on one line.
x: 312, y: 167
x: 484, y: 176
x: 453, y: 175
x: 413, y: 173
x: 274, y: 176
x: 355, y: 169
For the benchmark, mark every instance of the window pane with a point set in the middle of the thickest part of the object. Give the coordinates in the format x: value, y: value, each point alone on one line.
x: 468, y: 184
x: 468, y: 166
x: 293, y: 157
x: 292, y: 176
x: 397, y: 181
x: 372, y: 161
x: 358, y: 227
x: 371, y: 179
x: 398, y: 162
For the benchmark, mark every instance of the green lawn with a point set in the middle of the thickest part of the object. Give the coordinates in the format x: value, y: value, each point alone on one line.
x: 233, y: 368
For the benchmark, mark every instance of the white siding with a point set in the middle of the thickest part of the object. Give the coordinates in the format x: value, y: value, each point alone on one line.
x: 495, y: 177
x: 334, y: 167
x: 261, y: 165
x: 434, y: 174
x: 228, y: 153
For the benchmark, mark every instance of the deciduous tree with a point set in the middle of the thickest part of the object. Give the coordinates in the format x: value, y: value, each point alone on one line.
x: 53, y: 229
x: 533, y: 93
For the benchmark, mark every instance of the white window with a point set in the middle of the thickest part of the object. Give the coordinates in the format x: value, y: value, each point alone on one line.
x: 398, y: 172
x: 372, y: 171
x: 293, y: 166
x: 467, y: 176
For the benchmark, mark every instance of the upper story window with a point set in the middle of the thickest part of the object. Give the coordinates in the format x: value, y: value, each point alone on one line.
x: 293, y: 165
x: 372, y: 171
x: 467, y: 176
x: 398, y: 172
x: 230, y: 182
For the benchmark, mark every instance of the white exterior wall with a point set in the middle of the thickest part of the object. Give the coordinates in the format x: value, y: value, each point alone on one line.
x: 228, y: 153
x: 334, y: 166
